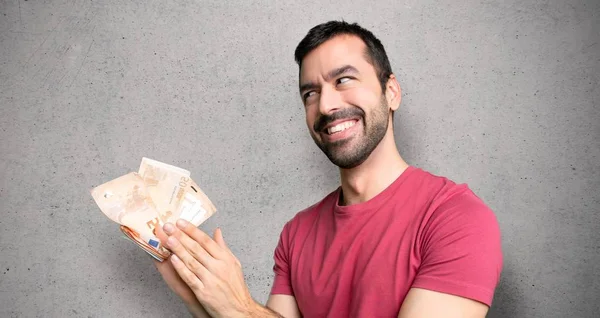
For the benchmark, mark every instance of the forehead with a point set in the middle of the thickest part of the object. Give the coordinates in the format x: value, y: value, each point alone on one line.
x: 336, y: 52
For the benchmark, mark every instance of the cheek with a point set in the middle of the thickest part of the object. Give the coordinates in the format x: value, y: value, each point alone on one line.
x: 361, y: 97
x: 310, y: 119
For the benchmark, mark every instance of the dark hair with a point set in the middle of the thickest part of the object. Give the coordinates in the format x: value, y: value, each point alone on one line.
x: 375, y: 53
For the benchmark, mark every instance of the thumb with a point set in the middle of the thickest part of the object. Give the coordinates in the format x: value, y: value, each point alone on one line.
x: 221, y: 242
x: 219, y: 238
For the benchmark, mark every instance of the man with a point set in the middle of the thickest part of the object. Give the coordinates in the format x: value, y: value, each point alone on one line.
x: 392, y: 241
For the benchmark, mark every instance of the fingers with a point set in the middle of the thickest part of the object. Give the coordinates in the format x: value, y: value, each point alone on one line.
x: 188, y: 258
x: 166, y: 271
x: 161, y: 235
x: 193, y: 248
x: 189, y: 277
x: 214, y: 249
x: 221, y: 242
x: 202, y: 255
x: 219, y: 238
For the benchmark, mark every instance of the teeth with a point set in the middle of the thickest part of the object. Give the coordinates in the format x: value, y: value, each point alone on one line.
x: 340, y: 127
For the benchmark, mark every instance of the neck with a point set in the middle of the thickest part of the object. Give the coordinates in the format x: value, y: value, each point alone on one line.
x: 370, y: 178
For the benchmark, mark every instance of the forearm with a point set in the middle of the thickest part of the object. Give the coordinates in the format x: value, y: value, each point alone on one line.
x: 197, y: 311
x: 261, y: 311
x: 256, y: 310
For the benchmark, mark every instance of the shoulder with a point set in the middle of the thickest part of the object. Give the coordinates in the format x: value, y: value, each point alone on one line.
x: 456, y: 218
x: 450, y: 208
x: 446, y: 196
x: 434, y: 186
x: 462, y: 213
x: 459, y: 202
x: 460, y: 244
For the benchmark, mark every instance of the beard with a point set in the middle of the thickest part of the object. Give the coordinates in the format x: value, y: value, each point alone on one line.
x: 353, y: 151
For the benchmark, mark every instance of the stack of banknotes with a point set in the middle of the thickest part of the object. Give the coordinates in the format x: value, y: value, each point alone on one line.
x: 158, y: 193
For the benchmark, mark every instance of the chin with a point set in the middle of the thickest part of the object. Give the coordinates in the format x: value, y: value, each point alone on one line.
x: 347, y: 159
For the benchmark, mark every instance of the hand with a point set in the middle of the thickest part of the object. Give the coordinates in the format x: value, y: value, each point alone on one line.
x: 210, y: 269
x: 175, y: 283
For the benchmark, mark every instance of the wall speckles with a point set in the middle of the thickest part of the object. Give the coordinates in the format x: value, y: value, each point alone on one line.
x: 500, y: 95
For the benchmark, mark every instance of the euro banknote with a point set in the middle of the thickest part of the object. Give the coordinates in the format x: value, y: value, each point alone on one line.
x: 158, y: 193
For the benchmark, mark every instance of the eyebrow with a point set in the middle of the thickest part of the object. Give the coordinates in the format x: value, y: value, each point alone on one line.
x: 332, y: 74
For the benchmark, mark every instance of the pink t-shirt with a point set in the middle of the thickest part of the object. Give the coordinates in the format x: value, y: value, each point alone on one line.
x: 361, y: 260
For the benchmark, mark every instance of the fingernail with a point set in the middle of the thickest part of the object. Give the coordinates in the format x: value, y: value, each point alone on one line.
x: 181, y: 223
x: 175, y: 259
x: 169, y: 228
x: 171, y: 241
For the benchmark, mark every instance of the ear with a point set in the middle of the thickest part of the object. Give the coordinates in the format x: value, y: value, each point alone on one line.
x: 393, y: 93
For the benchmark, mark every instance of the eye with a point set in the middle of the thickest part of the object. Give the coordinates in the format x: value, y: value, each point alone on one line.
x: 343, y: 80
x: 307, y: 95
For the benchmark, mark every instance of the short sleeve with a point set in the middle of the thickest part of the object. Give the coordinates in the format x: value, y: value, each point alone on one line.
x: 461, y: 250
x: 282, y: 283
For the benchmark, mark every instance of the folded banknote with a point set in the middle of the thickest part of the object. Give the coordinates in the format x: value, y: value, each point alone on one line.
x: 158, y: 193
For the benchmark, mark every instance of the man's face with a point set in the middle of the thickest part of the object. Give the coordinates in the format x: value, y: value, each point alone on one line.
x: 346, y: 113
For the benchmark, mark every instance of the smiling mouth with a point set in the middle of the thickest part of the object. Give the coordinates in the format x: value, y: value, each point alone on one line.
x: 340, y: 127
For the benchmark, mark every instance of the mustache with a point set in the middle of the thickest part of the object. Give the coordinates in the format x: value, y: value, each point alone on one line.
x: 346, y: 113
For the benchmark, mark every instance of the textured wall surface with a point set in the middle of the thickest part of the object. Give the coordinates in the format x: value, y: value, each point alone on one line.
x: 501, y: 95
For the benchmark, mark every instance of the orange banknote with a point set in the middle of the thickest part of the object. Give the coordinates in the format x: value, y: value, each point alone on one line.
x: 156, y: 194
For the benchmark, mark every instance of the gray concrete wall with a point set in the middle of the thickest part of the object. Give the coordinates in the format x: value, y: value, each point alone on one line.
x: 500, y: 95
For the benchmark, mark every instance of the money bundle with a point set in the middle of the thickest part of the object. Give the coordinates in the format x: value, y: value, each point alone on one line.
x: 158, y: 193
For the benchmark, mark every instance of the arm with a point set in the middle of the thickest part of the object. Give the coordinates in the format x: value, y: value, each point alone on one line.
x: 213, y: 274
x: 194, y: 291
x: 285, y: 305
x: 282, y: 299
x: 176, y: 284
x: 423, y: 303
x: 259, y: 311
x: 197, y: 311
x: 461, y: 261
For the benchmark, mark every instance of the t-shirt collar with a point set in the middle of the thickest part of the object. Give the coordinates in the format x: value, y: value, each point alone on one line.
x: 375, y: 202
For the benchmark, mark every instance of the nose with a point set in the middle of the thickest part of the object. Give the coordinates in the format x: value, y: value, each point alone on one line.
x: 329, y: 100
